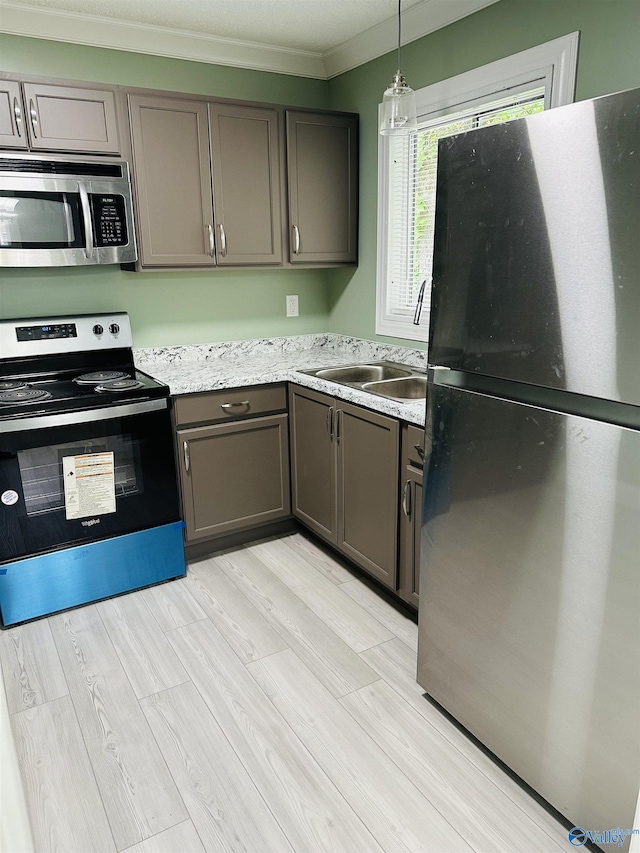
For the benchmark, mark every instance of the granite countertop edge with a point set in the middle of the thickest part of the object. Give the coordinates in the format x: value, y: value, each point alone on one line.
x: 237, y: 364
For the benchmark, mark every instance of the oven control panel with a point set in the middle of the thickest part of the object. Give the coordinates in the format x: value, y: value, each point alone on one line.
x: 47, y: 332
x: 48, y: 335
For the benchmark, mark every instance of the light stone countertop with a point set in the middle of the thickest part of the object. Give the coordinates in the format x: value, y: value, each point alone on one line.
x: 212, y: 367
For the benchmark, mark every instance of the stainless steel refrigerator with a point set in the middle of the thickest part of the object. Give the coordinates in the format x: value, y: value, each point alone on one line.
x: 529, y: 621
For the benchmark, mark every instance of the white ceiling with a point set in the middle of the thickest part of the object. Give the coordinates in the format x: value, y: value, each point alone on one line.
x: 316, y: 38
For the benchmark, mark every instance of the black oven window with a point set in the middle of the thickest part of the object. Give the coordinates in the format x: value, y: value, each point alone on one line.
x: 41, y: 470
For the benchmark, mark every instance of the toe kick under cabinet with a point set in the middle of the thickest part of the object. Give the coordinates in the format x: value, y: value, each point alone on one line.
x: 233, y: 459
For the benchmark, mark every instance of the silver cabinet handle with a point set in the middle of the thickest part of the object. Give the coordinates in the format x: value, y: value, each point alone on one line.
x: 420, y: 451
x: 227, y: 406
x: 185, y: 453
x: 406, y: 499
x: 211, y: 241
x: 296, y: 239
x: 86, y: 216
x: 330, y: 422
x: 34, y: 119
x: 338, y: 426
x: 223, y: 240
x: 17, y: 114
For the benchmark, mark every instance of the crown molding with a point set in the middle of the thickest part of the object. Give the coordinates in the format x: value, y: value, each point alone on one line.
x: 103, y: 32
x: 418, y: 21
x: 424, y: 18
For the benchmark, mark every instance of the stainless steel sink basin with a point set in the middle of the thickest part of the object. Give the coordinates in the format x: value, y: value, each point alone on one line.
x: 360, y: 373
x: 385, y: 378
x: 408, y: 388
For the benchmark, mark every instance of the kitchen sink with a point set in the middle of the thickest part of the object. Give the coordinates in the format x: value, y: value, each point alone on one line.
x: 385, y: 378
x: 408, y: 388
x: 360, y: 373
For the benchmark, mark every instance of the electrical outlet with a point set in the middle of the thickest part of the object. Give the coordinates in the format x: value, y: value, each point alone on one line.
x: 292, y: 306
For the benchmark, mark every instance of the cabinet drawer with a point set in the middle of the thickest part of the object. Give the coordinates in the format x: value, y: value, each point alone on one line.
x: 231, y: 405
x: 414, y: 445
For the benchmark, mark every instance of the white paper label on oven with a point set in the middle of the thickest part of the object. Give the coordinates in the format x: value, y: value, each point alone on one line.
x: 89, y: 485
x: 9, y: 498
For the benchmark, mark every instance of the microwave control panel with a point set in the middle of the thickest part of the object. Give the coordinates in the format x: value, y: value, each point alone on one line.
x: 109, y: 220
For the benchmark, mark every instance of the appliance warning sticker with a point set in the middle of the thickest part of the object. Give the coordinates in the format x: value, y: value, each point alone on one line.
x: 89, y: 485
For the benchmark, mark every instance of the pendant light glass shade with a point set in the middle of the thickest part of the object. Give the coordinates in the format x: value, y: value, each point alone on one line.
x: 398, y: 112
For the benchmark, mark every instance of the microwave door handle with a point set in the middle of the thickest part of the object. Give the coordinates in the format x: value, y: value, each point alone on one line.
x: 86, y: 216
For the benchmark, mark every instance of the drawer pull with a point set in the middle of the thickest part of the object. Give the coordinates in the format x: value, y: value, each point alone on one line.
x: 227, y: 406
x: 185, y: 453
x: 420, y: 451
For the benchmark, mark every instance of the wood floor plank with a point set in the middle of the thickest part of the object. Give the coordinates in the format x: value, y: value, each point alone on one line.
x: 396, y: 663
x: 400, y: 625
x: 312, y: 813
x: 223, y: 802
x: 172, y: 604
x: 245, y: 629
x: 481, y: 812
x: 65, y: 808
x: 148, y: 659
x: 32, y: 671
x: 336, y: 665
x: 182, y: 838
x: 320, y: 558
x: 139, y: 795
x: 387, y: 801
x: 356, y: 626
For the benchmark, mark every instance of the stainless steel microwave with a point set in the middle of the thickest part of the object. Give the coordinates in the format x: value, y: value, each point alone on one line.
x: 65, y: 212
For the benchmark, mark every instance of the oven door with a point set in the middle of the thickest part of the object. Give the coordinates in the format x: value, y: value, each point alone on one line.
x: 77, y: 477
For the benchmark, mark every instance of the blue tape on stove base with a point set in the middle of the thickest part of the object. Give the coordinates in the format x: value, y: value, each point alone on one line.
x: 38, y: 586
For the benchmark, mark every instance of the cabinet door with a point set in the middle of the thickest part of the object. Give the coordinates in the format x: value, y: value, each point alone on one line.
x: 410, y: 527
x: 64, y: 119
x: 170, y: 140
x: 234, y: 475
x: 313, y: 460
x: 13, y: 132
x: 246, y: 184
x: 322, y: 171
x: 368, y: 456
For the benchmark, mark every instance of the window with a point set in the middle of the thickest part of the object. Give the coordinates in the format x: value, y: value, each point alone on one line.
x: 520, y: 85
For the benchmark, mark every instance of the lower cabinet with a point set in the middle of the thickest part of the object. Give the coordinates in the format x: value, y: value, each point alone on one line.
x: 345, y: 478
x: 234, y: 473
x: 411, y: 474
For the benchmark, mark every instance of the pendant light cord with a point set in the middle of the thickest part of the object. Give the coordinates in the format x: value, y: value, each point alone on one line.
x: 399, y: 32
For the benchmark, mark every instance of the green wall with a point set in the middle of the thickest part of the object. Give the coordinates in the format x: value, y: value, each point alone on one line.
x: 175, y: 307
x: 609, y: 60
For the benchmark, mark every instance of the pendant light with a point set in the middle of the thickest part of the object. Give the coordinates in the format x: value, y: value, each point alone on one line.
x: 398, y: 113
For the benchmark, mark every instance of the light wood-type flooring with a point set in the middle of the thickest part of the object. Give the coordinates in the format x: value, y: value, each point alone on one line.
x: 266, y: 703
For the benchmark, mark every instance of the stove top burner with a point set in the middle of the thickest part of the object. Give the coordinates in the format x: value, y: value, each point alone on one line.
x: 12, y: 385
x: 124, y: 384
x: 24, y: 395
x: 100, y: 376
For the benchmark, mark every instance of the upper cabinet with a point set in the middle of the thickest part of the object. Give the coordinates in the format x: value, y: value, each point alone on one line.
x: 322, y: 179
x: 245, y: 158
x: 210, y: 186
x: 170, y: 139
x: 45, y: 117
x: 208, y: 182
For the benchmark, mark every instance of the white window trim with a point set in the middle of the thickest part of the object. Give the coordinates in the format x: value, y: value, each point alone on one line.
x: 554, y: 62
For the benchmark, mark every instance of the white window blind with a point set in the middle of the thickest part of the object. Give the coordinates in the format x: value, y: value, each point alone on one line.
x: 517, y: 86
